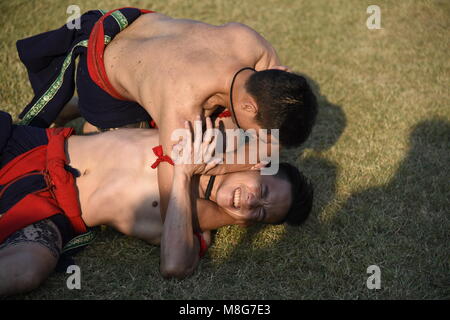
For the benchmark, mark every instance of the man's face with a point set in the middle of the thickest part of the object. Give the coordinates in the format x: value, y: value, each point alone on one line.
x: 245, y: 106
x: 245, y: 118
x: 251, y: 197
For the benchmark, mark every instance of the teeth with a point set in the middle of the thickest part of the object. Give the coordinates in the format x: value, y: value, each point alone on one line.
x: 237, y: 198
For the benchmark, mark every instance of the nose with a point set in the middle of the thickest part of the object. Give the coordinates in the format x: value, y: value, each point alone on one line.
x: 251, y: 201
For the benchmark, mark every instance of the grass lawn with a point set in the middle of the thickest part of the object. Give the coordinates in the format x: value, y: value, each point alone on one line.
x: 378, y: 157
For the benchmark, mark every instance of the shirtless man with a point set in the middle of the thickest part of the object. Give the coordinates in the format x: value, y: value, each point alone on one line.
x: 116, y: 185
x: 135, y: 63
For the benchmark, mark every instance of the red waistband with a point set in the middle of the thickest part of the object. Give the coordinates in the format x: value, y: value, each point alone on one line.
x: 60, y: 196
x: 95, y: 51
x: 63, y: 181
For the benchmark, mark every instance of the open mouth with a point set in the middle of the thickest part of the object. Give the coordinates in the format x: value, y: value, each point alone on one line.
x: 237, y: 198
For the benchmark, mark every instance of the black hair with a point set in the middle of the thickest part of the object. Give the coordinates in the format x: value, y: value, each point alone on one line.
x: 285, y: 102
x: 302, y: 192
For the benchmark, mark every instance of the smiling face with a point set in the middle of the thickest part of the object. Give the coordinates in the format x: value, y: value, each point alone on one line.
x: 251, y: 197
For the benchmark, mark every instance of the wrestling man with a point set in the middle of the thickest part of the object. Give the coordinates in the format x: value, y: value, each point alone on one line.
x: 54, y: 186
x: 138, y: 66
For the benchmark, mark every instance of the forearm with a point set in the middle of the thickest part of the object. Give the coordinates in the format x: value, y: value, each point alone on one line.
x: 242, y: 159
x: 211, y: 216
x: 165, y: 183
x: 170, y: 124
x: 179, y: 248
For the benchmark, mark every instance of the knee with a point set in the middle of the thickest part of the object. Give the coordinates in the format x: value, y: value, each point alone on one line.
x: 36, y: 269
x: 29, y: 280
x: 25, y: 271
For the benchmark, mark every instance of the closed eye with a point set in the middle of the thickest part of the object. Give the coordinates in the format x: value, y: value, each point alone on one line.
x: 264, y: 191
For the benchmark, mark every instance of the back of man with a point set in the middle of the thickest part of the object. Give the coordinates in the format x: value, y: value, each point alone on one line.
x: 187, y: 65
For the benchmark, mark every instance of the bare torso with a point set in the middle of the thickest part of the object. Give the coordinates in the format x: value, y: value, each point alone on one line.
x: 117, y: 185
x: 162, y: 62
x: 177, y: 69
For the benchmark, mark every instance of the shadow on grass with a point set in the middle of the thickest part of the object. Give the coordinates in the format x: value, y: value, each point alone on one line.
x: 330, y: 124
x: 403, y: 227
x: 283, y: 256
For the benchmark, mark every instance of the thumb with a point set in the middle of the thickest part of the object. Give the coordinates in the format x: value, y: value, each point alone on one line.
x: 260, y: 165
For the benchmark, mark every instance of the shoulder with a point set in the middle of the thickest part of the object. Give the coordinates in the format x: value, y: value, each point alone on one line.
x: 242, y: 31
x: 247, y: 38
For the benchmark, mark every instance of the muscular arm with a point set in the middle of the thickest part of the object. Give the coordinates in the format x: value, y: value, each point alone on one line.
x: 170, y: 121
x: 179, y: 246
x: 213, y: 217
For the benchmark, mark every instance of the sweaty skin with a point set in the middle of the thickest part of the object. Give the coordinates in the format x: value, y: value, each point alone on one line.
x: 179, y: 68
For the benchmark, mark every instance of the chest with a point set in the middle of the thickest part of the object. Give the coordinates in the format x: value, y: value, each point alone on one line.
x: 119, y: 196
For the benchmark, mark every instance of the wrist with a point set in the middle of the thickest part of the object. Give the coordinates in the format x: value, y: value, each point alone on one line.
x: 181, y: 173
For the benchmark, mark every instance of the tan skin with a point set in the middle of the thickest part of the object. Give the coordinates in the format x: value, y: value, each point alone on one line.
x: 179, y: 68
x: 118, y: 188
x: 188, y: 73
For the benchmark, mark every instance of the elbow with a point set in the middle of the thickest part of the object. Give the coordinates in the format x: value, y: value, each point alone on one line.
x: 174, y: 271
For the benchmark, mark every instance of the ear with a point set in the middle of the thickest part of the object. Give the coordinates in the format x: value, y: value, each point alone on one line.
x: 250, y: 106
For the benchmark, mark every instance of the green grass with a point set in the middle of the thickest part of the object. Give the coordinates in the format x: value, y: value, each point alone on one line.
x: 378, y: 157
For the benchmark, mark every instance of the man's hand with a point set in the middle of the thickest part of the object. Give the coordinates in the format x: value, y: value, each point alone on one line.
x: 230, y: 168
x: 196, y: 156
x: 192, y: 156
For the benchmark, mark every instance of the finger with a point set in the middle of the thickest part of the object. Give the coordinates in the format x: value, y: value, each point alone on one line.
x: 188, y: 128
x: 187, y: 143
x: 187, y: 139
x: 229, y: 168
x: 198, y: 135
x: 176, y: 147
x: 212, y: 164
x: 210, y: 149
x: 209, y: 142
x: 177, y: 153
x: 209, y: 133
x: 260, y: 165
x: 208, y: 123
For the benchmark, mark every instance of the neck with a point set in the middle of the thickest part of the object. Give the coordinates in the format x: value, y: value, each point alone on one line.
x: 212, y: 220
x: 237, y: 83
x: 203, y: 184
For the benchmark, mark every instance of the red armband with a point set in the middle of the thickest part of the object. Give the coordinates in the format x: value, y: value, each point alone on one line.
x: 161, y: 157
x: 203, y: 245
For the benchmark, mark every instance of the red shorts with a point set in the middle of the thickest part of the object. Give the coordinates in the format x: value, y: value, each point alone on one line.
x: 57, y: 194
